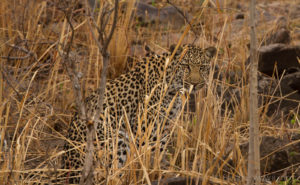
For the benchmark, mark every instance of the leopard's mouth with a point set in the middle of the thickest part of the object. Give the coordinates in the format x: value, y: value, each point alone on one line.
x: 195, y: 86
x: 188, y: 85
x: 172, y: 93
x: 198, y: 86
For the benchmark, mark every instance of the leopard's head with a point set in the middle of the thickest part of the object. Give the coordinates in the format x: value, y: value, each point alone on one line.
x: 194, y: 63
x: 190, y: 65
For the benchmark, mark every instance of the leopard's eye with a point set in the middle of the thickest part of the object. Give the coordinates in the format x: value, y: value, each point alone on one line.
x: 186, y: 68
x: 185, y: 65
x: 203, y: 67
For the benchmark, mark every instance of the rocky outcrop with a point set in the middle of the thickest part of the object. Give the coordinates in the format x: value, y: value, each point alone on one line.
x: 280, y: 57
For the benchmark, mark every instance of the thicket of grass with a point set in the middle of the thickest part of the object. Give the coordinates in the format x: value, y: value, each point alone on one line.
x: 37, y: 102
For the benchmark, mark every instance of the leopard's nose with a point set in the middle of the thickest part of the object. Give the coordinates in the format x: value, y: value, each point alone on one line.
x: 194, y: 76
x: 195, y: 79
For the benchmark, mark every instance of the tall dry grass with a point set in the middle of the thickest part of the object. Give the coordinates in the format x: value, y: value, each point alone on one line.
x: 37, y: 101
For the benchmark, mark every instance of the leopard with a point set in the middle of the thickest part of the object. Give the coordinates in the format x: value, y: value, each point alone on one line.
x: 146, y: 96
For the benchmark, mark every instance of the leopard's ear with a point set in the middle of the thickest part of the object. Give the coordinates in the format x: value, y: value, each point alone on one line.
x: 147, y: 49
x: 149, y: 52
x: 210, y: 51
x: 172, y: 48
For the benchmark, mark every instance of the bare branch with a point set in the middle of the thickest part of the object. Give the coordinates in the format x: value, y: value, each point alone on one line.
x: 113, y: 27
x: 107, y: 13
x: 102, y: 43
x: 16, y: 58
x: 28, y: 53
x: 68, y: 17
x: 8, y: 81
x: 70, y: 67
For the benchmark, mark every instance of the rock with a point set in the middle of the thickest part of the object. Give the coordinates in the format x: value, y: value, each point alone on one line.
x: 280, y: 96
x: 293, y: 81
x: 280, y: 34
x: 279, y: 55
x: 277, y: 154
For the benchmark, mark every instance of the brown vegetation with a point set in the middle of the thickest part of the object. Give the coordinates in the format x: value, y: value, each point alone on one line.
x: 37, y: 100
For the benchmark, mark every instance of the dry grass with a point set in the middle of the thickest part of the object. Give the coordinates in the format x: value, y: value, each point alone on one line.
x: 36, y: 100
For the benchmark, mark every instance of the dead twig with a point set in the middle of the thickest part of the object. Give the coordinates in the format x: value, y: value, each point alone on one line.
x: 11, y: 81
x: 28, y: 53
x: 8, y: 80
x: 70, y: 67
x: 185, y: 18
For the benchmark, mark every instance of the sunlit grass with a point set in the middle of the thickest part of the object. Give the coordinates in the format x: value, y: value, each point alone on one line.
x: 37, y: 102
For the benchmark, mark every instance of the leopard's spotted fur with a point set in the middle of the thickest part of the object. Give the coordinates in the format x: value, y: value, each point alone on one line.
x: 140, y: 89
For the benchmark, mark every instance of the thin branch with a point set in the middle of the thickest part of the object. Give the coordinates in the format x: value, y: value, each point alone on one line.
x: 186, y: 19
x: 21, y: 49
x: 5, y: 74
x: 108, y: 13
x: 94, y: 35
x: 68, y: 17
x: 105, y: 45
x: 8, y: 81
x: 106, y: 56
x: 70, y: 67
x: 16, y: 58
x: 28, y: 53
